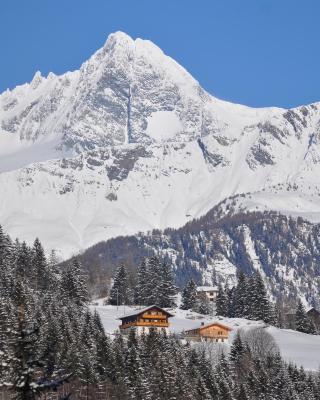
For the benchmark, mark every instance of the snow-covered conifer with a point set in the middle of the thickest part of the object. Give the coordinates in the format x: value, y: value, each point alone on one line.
x: 189, y: 296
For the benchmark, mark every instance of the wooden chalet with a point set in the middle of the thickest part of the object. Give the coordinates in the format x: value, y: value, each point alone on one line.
x: 214, y: 332
x: 143, y: 320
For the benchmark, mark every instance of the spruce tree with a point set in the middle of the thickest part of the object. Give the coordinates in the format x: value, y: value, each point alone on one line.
x: 23, y: 267
x: 302, y: 322
x: 222, y: 302
x: 203, y: 305
x: 22, y: 358
x: 137, y: 386
x: 240, y: 296
x: 40, y: 267
x: 167, y: 289
x: 73, y: 285
x: 140, y: 294
x: 153, y: 281
x: 237, y: 349
x: 119, y: 293
x: 259, y: 307
x: 230, y: 302
x: 189, y: 296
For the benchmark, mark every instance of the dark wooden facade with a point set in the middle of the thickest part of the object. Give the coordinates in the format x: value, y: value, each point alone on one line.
x: 149, y: 317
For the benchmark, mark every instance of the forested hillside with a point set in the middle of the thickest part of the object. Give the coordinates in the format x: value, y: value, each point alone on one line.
x: 50, y: 341
x: 285, y: 250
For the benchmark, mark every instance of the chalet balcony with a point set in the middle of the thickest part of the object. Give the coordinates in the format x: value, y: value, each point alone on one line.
x: 208, y: 336
x: 158, y: 324
x: 154, y: 316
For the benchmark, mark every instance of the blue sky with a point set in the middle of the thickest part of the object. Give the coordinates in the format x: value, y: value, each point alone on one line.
x: 254, y: 52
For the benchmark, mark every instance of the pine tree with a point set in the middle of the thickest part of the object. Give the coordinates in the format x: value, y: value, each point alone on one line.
x: 203, y: 305
x: 223, y: 378
x: 189, y: 296
x: 164, y: 375
x: 237, y: 349
x: 50, y: 339
x: 167, y: 289
x: 104, y: 357
x: 23, y: 361
x: 222, y: 302
x: 40, y: 267
x: 23, y: 261
x: 73, y: 285
x: 230, y: 302
x: 5, y: 250
x: 258, y: 307
x: 7, y: 264
x: 206, y: 372
x: 137, y: 385
x: 120, y: 293
x: 153, y: 281
x: 140, y: 294
x: 240, y: 295
x: 302, y: 322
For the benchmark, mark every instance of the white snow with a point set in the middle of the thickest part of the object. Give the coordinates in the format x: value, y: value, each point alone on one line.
x: 296, y: 347
x: 163, y: 125
x: 83, y: 115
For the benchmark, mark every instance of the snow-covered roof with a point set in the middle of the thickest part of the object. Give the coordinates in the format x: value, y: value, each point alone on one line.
x: 207, y: 288
x: 143, y: 310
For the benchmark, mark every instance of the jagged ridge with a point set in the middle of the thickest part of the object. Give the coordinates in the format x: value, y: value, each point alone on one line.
x: 132, y: 142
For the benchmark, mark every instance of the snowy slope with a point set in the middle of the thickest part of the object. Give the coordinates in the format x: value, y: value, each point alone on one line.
x: 296, y: 347
x: 131, y: 142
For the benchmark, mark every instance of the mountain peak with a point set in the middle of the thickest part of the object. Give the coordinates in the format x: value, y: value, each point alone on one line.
x: 118, y: 38
x: 133, y: 123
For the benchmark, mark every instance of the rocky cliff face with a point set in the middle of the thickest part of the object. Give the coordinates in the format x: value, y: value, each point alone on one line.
x: 131, y: 142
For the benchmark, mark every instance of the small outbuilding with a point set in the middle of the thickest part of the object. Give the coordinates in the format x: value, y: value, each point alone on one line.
x: 214, y: 332
x: 210, y: 292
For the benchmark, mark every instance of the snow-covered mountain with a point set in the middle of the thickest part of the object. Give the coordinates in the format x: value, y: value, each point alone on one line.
x: 131, y: 142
